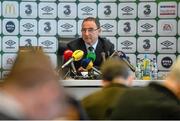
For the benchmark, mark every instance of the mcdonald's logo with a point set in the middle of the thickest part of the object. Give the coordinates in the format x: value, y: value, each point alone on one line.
x: 10, y: 9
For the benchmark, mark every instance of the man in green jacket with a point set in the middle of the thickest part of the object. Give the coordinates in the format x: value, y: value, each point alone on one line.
x: 115, y: 75
x: 157, y: 101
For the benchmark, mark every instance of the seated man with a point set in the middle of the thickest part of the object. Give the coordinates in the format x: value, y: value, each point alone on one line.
x: 115, y: 75
x: 154, y: 102
x: 91, y: 41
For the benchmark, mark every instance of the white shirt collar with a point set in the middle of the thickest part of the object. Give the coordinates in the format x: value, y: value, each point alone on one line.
x: 94, y: 45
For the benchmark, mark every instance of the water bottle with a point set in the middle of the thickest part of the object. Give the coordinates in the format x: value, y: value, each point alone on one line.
x: 151, y: 70
x: 146, y: 68
x: 155, y: 71
x: 138, y: 69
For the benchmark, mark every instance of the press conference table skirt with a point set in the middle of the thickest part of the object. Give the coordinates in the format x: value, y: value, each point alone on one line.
x: 82, y: 88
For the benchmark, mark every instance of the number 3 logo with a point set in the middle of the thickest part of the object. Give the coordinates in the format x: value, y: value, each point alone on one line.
x: 147, y: 10
x: 29, y: 9
x: 108, y: 10
x: 47, y: 27
x: 147, y: 44
x: 67, y: 11
x: 127, y: 27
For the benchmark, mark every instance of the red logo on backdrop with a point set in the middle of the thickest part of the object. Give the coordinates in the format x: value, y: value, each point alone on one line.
x: 167, y: 27
x: 10, y: 61
x: 167, y: 10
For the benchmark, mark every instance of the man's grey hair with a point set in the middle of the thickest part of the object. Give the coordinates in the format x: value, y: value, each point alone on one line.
x: 96, y: 21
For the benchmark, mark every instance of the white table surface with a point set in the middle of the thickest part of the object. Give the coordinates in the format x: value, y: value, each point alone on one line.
x: 94, y: 83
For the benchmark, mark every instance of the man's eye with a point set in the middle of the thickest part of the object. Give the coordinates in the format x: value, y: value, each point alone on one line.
x: 90, y: 30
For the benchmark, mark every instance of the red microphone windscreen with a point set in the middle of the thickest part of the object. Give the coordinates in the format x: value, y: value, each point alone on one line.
x: 67, y: 54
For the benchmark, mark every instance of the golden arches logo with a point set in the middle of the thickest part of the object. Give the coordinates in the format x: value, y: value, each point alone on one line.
x: 10, y: 9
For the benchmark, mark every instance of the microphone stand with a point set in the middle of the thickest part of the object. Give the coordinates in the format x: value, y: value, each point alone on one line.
x: 73, y: 67
x: 67, y: 74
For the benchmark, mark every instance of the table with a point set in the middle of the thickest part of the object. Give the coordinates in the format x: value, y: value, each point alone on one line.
x: 82, y: 88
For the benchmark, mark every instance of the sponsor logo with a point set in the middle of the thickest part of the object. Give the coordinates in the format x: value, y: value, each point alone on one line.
x: 167, y: 10
x: 166, y: 62
x: 87, y: 10
x: 68, y: 10
x: 147, y: 27
x: 168, y: 6
x: 28, y: 42
x: 67, y: 27
x: 127, y: 27
x: 10, y: 9
x: 28, y: 27
x: 147, y: 44
x: 167, y: 27
x: 10, y: 61
x: 28, y: 11
x: 107, y: 27
x: 127, y: 10
x: 127, y: 45
x: 47, y: 10
x: 108, y: 10
x: 47, y: 27
x: 10, y: 43
x: 47, y: 44
x: 167, y: 44
x: 147, y: 10
x: 10, y: 26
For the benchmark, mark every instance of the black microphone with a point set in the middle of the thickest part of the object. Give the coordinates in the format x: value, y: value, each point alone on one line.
x: 123, y: 57
x: 103, y: 55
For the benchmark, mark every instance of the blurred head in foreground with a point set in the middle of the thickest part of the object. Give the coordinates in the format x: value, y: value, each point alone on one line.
x: 33, y: 85
x: 115, y: 71
x: 172, y: 80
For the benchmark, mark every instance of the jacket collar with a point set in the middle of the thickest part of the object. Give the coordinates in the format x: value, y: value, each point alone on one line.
x: 116, y: 85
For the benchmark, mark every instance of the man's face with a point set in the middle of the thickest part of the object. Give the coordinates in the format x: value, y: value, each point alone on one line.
x: 90, y: 32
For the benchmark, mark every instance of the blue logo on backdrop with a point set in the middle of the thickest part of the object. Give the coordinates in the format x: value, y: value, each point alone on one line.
x: 10, y: 26
x: 166, y: 62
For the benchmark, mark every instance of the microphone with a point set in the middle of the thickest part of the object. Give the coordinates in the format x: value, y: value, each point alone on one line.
x: 123, y: 57
x: 76, y: 56
x: 88, y: 64
x: 73, y: 67
x: 91, y: 56
x: 103, y: 55
x: 113, y: 54
x: 67, y: 54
